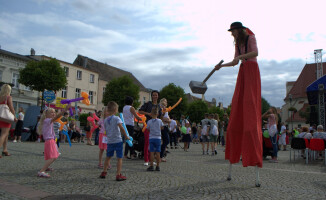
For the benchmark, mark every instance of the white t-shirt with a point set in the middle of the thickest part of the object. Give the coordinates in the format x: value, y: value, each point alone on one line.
x: 173, y: 126
x: 283, y: 130
x: 213, y: 123
x: 21, y: 116
x: 183, y: 122
x: 128, y: 116
x: 154, y: 127
x: 112, y: 129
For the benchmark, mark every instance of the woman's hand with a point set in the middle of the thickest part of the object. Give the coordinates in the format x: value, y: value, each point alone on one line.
x: 217, y: 67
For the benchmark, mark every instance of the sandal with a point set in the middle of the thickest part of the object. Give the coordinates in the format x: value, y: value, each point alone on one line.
x: 5, y: 153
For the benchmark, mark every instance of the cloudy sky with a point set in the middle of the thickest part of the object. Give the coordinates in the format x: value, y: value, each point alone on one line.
x: 164, y: 41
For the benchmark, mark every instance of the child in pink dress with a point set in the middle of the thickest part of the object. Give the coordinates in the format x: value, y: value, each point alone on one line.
x: 102, y: 144
x: 50, y: 147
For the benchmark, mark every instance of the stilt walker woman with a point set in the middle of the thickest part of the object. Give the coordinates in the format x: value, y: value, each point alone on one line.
x: 244, y: 130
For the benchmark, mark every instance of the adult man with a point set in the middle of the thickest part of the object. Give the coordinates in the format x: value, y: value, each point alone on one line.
x: 205, y: 124
x: 282, y: 139
x: 173, y: 133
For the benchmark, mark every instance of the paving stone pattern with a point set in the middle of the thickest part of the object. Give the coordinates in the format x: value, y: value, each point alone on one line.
x: 185, y: 175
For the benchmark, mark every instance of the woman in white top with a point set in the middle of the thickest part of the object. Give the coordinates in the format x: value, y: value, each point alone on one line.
x: 19, y: 125
x: 129, y: 113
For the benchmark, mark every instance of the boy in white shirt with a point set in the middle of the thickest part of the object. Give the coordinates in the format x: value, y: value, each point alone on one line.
x: 113, y: 126
x: 282, y: 139
x: 154, y: 127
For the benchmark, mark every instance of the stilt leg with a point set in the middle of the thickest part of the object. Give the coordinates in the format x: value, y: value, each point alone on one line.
x: 230, y: 171
x: 257, y: 177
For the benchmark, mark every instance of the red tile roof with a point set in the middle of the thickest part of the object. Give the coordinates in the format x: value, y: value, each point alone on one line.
x: 307, y: 76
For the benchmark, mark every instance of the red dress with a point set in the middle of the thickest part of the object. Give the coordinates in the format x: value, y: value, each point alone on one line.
x: 244, y: 133
x: 5, y: 124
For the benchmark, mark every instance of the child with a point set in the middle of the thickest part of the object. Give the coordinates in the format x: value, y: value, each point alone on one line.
x: 113, y: 126
x: 50, y: 148
x: 154, y: 127
x: 187, y: 137
x: 271, y: 114
x: 102, y: 145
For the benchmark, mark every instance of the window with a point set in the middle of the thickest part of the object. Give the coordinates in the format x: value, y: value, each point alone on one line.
x: 103, y: 90
x: 15, y: 77
x: 91, y: 78
x: 144, y: 98
x: 77, y: 93
x: 66, y: 69
x: 0, y: 75
x: 64, y: 92
x: 90, y: 96
x: 79, y: 75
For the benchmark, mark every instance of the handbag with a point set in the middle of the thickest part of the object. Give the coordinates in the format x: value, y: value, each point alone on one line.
x: 5, y: 114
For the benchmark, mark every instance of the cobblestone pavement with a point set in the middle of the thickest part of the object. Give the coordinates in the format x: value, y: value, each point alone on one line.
x: 186, y: 175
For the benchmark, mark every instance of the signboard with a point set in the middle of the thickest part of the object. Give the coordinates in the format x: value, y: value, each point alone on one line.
x: 49, y: 96
x: 58, y: 102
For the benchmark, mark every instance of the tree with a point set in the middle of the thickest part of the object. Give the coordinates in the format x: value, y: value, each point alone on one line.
x: 216, y: 110
x: 117, y: 90
x: 264, y: 105
x: 196, y: 110
x: 173, y: 93
x: 43, y: 75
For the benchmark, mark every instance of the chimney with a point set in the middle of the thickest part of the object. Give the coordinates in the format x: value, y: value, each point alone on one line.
x: 85, y: 62
x: 32, y: 52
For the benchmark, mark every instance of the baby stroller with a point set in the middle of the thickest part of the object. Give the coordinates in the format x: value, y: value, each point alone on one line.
x: 138, y: 142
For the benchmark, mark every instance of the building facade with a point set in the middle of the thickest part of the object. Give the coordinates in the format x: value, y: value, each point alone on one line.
x: 106, y: 74
x: 296, y: 99
x: 10, y: 64
x: 79, y: 80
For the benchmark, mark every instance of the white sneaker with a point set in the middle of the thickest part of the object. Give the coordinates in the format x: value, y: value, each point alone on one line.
x: 43, y: 174
x: 146, y: 164
x: 15, y: 141
x: 154, y: 163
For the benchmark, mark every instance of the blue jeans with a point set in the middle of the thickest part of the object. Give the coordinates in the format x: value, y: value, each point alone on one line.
x: 275, y: 145
x: 165, y: 139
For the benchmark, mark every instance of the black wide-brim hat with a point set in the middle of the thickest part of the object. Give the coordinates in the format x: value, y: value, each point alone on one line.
x: 236, y: 25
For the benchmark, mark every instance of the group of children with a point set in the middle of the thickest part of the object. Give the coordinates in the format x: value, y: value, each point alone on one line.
x: 110, y: 139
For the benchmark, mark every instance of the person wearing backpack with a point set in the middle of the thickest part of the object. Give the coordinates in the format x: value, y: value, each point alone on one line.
x: 213, y: 133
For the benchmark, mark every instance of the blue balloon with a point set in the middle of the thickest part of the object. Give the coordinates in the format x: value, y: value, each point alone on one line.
x: 129, y: 142
x: 65, y: 132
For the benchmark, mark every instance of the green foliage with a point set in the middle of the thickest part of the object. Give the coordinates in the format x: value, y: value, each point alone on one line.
x: 117, y: 90
x: 83, y: 119
x: 216, y: 110
x: 293, y: 109
x: 197, y: 110
x: 264, y: 105
x: 43, y: 75
x: 173, y: 93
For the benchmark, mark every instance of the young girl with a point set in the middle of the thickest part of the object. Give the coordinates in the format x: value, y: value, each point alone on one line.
x: 50, y: 147
x: 187, y: 137
x: 271, y: 114
x: 101, y: 145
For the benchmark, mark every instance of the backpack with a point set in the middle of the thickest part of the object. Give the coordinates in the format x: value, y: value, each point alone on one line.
x: 215, y: 131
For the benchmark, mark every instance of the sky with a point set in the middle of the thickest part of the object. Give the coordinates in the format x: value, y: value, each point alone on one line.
x: 171, y: 41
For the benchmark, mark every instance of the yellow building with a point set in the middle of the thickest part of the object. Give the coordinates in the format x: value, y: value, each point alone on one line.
x: 106, y: 74
x: 79, y: 80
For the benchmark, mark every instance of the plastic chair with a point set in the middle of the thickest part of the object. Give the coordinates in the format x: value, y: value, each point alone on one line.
x: 298, y: 144
x: 317, y: 145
